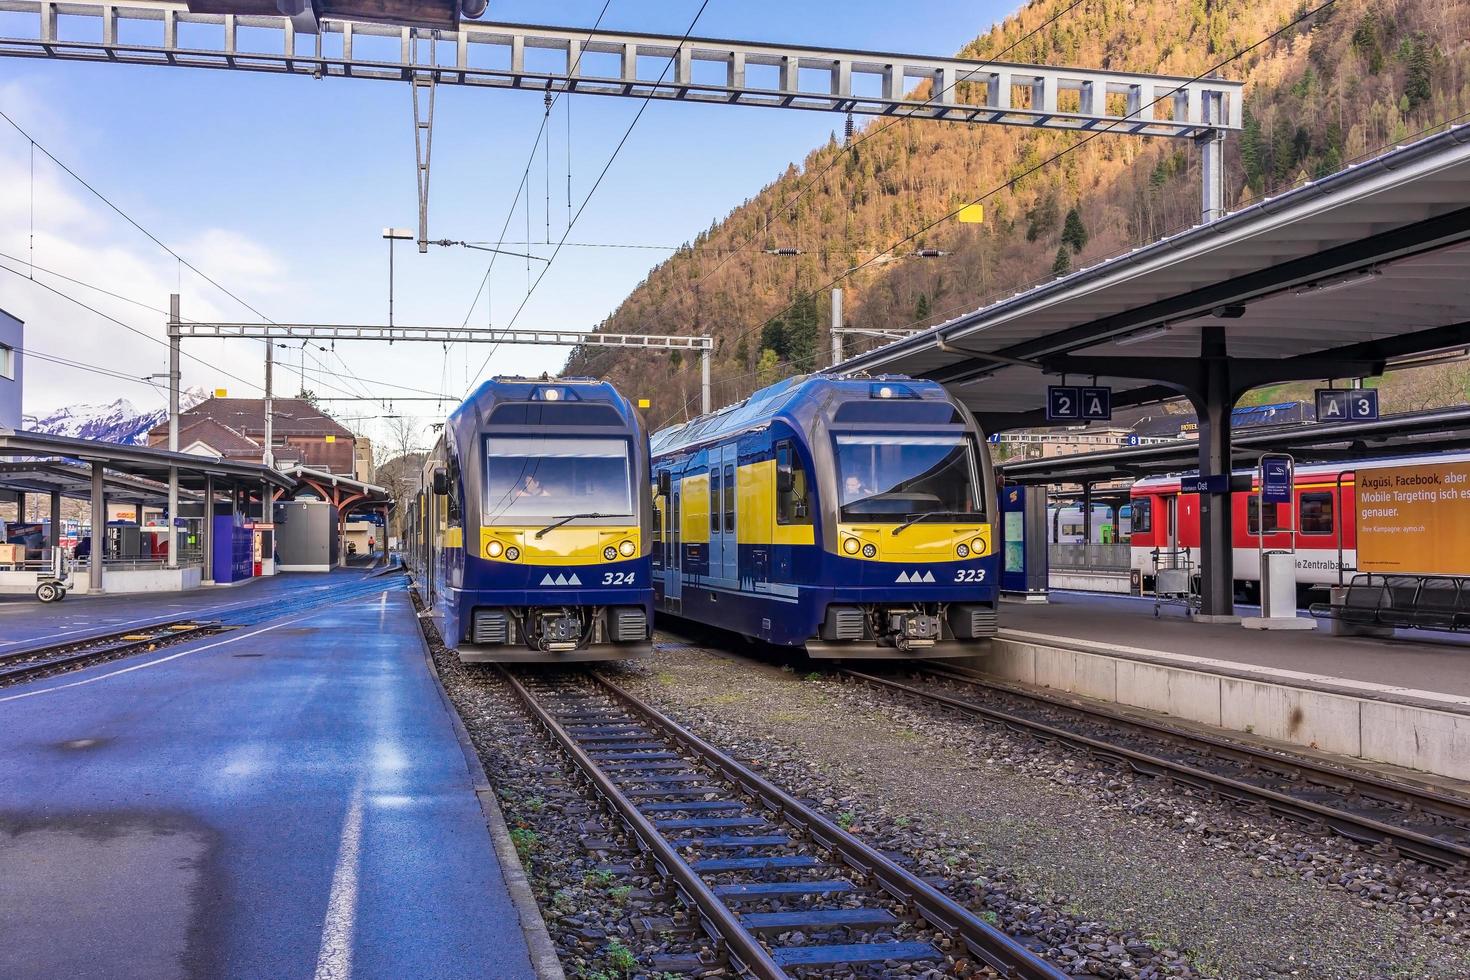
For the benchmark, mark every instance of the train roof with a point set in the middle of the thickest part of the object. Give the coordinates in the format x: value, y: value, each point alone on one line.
x: 573, y: 399
x: 787, y: 398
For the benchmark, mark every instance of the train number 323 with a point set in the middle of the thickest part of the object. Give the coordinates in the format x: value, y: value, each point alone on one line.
x: 617, y: 578
x: 969, y: 575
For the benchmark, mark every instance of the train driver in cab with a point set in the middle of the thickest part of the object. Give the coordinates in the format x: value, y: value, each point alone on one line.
x: 853, y: 489
x: 531, y: 487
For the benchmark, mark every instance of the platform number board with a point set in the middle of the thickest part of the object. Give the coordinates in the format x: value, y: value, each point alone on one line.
x: 1071, y: 403
x: 1347, y: 405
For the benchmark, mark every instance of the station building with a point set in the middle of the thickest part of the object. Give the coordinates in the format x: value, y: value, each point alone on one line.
x: 234, y: 429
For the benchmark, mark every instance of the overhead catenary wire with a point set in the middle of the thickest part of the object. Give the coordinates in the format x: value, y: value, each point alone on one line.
x: 1010, y: 182
x: 642, y: 107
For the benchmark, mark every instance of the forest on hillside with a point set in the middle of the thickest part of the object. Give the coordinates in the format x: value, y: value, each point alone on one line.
x: 1356, y: 78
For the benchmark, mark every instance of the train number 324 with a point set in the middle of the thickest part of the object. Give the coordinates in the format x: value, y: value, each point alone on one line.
x: 970, y: 575
x: 618, y: 578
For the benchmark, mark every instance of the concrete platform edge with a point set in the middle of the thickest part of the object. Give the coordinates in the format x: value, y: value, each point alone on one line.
x: 544, y: 958
x: 1352, y: 719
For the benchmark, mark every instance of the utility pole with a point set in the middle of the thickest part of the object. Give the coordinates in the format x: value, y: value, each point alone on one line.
x: 1212, y: 159
x: 837, y: 321
x: 173, y: 447
x: 268, y: 457
x: 704, y: 392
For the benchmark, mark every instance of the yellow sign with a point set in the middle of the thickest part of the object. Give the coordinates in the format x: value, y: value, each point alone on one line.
x: 331, y: 438
x: 644, y: 403
x: 221, y: 392
x: 1415, y: 519
x: 972, y: 214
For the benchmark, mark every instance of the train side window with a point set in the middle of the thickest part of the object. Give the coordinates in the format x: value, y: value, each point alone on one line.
x: 714, y: 499
x: 1316, y: 513
x: 452, y: 501
x: 1142, y: 513
x: 791, y: 487
x: 1253, y: 516
x: 729, y: 497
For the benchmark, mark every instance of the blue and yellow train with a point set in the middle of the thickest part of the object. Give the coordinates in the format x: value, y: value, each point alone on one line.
x: 530, y: 540
x: 854, y: 517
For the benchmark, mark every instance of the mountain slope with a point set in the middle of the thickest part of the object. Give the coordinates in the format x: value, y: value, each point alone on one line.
x: 118, y: 422
x: 1359, y: 77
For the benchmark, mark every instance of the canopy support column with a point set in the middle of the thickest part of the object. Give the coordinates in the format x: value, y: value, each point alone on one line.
x: 55, y: 519
x: 206, y: 533
x: 1213, y: 406
x: 1087, y: 513
x: 99, y: 531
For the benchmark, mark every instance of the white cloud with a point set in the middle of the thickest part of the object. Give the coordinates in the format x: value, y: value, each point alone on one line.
x: 78, y: 237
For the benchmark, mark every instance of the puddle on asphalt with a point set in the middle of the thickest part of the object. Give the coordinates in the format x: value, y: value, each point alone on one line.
x: 102, y: 895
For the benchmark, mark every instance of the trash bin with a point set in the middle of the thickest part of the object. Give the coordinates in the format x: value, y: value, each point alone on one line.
x: 1278, y: 585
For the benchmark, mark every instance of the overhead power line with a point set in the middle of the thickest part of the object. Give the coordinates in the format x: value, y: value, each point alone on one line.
x: 1301, y: 18
x: 642, y: 107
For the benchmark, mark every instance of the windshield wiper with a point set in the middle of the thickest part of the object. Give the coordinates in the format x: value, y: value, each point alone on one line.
x: 562, y: 520
x: 913, y: 519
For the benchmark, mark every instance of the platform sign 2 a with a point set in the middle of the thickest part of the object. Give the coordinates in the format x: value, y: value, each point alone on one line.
x: 1347, y: 405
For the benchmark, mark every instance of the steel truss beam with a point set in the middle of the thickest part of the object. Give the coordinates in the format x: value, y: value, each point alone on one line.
x: 435, y: 335
x: 515, y: 56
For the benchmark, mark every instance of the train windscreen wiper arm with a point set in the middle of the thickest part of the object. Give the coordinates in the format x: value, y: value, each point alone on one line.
x: 562, y: 520
x: 916, y: 518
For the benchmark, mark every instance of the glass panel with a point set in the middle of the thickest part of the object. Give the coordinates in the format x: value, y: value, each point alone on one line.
x: 714, y: 499
x: 1253, y: 516
x: 890, y: 478
x: 791, y: 506
x: 549, y: 477
x: 1141, y: 515
x: 1316, y: 513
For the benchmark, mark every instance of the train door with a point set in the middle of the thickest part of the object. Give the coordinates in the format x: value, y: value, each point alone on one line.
x: 674, y: 556
x: 1171, y: 522
x: 730, y: 549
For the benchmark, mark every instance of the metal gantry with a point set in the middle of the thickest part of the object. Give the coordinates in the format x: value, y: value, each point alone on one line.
x: 596, y: 62
x: 179, y: 330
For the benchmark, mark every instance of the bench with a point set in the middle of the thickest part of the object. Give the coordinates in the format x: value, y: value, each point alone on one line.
x: 1432, y: 602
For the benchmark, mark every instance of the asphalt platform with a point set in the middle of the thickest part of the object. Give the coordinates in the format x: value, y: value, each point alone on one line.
x: 288, y: 799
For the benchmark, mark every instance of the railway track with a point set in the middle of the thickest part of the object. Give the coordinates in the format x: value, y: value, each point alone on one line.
x: 39, y: 662
x: 1418, y: 823
x: 754, y: 861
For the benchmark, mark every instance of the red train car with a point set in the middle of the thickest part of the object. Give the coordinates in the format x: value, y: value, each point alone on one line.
x: 1324, y: 509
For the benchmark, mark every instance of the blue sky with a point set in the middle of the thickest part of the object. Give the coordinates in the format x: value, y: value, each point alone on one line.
x: 279, y: 188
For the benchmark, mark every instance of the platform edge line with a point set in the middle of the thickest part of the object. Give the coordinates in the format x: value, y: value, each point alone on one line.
x: 544, y: 958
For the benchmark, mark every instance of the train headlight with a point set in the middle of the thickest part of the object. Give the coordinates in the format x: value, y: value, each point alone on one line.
x: 626, y: 549
x: 512, y: 553
x: 850, y: 545
x: 977, y: 546
x: 609, y: 553
x: 494, y: 549
x: 963, y: 551
x: 869, y: 551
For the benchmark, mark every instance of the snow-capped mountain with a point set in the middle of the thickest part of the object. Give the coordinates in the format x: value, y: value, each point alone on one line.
x: 120, y: 421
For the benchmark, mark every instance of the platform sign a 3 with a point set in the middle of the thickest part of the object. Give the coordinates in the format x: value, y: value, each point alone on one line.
x: 1063, y: 403
x: 1347, y: 405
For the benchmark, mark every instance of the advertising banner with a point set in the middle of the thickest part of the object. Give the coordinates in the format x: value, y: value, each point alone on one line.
x: 1415, y: 519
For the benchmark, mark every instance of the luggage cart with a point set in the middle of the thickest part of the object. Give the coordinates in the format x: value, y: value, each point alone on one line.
x: 1174, y: 581
x: 51, y: 585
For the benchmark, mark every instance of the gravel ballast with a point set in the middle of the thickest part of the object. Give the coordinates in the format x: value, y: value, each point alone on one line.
x: 1142, y: 879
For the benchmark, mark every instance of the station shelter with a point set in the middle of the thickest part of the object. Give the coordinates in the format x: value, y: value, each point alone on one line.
x: 1337, y: 280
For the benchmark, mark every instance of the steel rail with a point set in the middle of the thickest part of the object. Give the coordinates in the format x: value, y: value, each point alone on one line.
x: 95, y: 649
x: 719, y: 921
x: 1422, y: 847
x: 985, y: 942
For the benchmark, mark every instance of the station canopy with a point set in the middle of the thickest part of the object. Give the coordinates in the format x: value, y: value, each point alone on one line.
x: 1366, y: 265
x: 37, y: 461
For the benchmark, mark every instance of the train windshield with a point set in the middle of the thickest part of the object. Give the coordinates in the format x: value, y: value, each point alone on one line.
x: 891, y: 478
x: 535, y: 477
